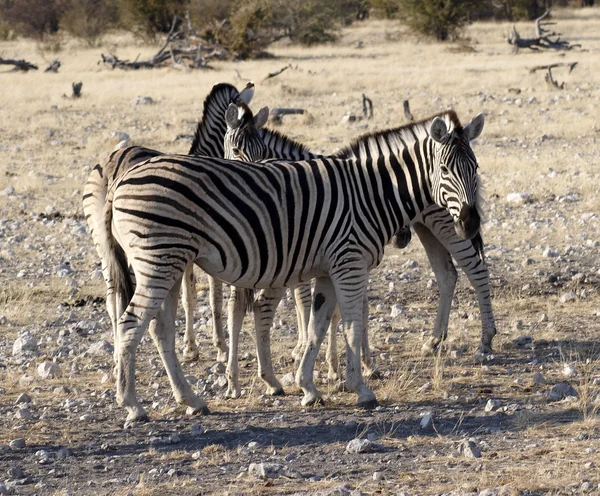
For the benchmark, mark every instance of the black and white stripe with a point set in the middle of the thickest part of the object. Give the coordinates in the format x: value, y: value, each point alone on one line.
x: 276, y: 224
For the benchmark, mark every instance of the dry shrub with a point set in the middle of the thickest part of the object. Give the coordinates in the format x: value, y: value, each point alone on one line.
x: 90, y: 19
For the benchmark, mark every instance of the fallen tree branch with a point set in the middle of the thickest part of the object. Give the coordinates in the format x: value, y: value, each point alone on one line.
x: 53, y: 66
x: 551, y: 82
x: 277, y: 113
x: 367, y: 107
x: 542, y: 38
x: 407, y: 112
x: 570, y: 65
x: 21, y: 65
x: 276, y: 73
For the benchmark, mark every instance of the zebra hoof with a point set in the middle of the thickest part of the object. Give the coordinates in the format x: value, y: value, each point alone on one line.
x: 369, y: 404
x: 310, y: 400
x: 222, y: 355
x: 232, y: 394
x: 201, y: 410
x: 190, y: 356
x: 276, y: 391
x: 430, y: 347
x: 485, y: 349
x: 134, y: 421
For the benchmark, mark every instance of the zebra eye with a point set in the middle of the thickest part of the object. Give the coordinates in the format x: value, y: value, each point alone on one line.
x: 236, y: 152
x: 444, y: 169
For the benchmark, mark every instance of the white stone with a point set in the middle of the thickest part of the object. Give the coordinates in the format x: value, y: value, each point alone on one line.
x: 567, y: 297
x: 492, y: 405
x: 426, y: 420
x: 25, y: 342
x: 49, y: 370
x: 265, y: 470
x: 397, y: 310
x: 359, y: 446
x: 516, y: 199
x: 569, y: 370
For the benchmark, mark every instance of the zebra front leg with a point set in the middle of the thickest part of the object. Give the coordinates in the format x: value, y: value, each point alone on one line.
x: 162, y: 330
x: 236, y: 308
x: 446, y: 276
x: 264, y: 312
x: 332, y: 358
x: 216, y: 306
x: 188, y: 299
x: 472, y: 262
x: 303, y: 300
x: 324, y: 301
x: 350, y: 288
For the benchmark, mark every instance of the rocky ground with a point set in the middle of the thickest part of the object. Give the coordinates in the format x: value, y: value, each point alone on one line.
x: 521, y: 421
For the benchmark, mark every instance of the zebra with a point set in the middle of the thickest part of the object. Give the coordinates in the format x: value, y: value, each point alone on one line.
x: 208, y: 140
x: 433, y: 226
x: 276, y: 224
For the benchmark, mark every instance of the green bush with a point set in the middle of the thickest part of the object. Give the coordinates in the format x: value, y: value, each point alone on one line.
x: 34, y: 18
x: 89, y: 19
x: 441, y: 19
x: 148, y: 18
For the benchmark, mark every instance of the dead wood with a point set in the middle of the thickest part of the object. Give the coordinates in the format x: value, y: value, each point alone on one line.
x: 53, y: 66
x: 276, y: 114
x: 20, y: 65
x: 570, y: 65
x: 542, y: 38
x: 367, y: 104
x: 407, y: 112
x: 276, y: 73
x: 551, y: 82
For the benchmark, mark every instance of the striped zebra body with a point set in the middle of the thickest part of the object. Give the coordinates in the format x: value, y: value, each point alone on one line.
x: 277, y: 224
x: 435, y: 229
x: 208, y: 139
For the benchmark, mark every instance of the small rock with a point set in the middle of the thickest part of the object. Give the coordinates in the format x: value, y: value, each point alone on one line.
x: 567, y: 297
x: 100, y: 348
x: 359, y: 446
x: 560, y: 391
x: 218, y: 368
x: 426, y: 420
x: 142, y: 100
x: 23, y: 398
x: 197, y: 430
x: 377, y: 476
x: 24, y: 414
x: 16, y: 472
x: 397, y: 310
x: 550, y: 253
x: 63, y: 453
x: 569, y: 370
x: 538, y: 378
x: 18, y: 443
x: 220, y: 382
x: 8, y: 191
x: 492, y: 405
x: 253, y: 445
x: 469, y: 449
x: 518, y: 199
x: 424, y: 388
x: 25, y: 342
x: 543, y: 317
x: 265, y: 470
x: 288, y: 379
x: 49, y: 370
x: 61, y: 390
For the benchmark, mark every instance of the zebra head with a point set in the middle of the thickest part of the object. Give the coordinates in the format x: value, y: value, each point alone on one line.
x: 242, y: 140
x: 454, y: 176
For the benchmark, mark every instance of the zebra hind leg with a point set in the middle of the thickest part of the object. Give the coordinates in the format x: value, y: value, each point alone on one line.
x: 264, y: 312
x: 216, y: 306
x: 236, y: 310
x: 188, y: 300
x: 324, y: 301
x: 162, y: 330
x: 446, y: 276
x: 303, y: 300
x: 331, y: 356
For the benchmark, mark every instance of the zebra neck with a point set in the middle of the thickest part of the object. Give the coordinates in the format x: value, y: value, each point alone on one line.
x: 281, y: 147
x: 210, y: 132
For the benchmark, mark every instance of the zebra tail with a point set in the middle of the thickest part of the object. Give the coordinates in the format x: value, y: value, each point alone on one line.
x: 249, y: 299
x: 477, y: 241
x: 114, y: 258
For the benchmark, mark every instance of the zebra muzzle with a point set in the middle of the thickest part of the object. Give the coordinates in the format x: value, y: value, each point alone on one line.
x: 468, y: 222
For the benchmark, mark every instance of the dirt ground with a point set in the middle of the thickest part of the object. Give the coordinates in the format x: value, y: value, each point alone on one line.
x: 521, y: 421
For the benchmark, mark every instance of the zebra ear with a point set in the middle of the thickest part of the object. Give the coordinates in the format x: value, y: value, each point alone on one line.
x: 438, y: 130
x: 247, y: 93
x: 231, y: 116
x: 261, y: 117
x: 474, y: 128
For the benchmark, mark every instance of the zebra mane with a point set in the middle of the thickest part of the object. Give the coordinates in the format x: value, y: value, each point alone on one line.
x: 397, y: 138
x: 277, y: 141
x: 210, y: 132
